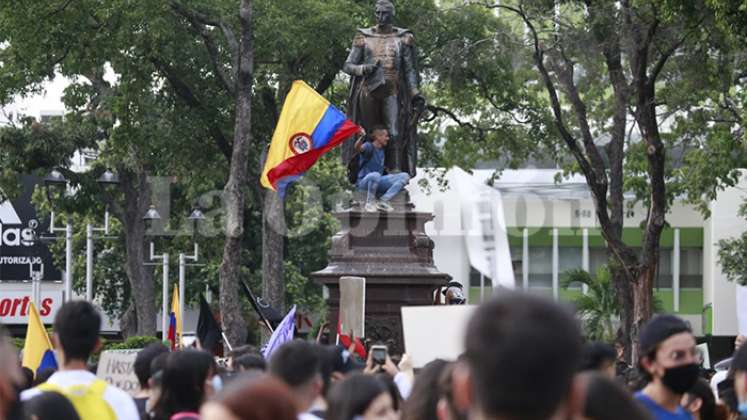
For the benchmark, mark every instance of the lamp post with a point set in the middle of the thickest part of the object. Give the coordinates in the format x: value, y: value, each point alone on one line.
x: 151, y: 215
x: 106, y: 179
x: 55, y: 179
x: 195, y: 217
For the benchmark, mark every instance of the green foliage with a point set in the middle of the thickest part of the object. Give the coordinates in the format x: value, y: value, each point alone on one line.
x: 134, y: 342
x: 598, y: 308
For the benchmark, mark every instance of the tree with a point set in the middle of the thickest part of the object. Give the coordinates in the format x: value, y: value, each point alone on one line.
x: 612, y: 69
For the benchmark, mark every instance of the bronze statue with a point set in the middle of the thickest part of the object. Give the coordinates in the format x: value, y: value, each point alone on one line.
x: 384, y: 88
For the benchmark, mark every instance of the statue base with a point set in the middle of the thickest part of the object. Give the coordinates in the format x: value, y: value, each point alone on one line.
x: 395, y: 256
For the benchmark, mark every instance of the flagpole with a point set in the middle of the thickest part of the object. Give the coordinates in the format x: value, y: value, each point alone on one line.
x: 253, y: 301
x: 225, y: 340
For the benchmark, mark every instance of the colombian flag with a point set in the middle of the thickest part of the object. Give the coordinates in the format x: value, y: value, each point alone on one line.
x: 175, y: 323
x: 37, y: 350
x: 308, y: 127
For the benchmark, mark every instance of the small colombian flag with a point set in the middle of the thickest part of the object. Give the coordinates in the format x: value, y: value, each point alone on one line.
x: 175, y: 322
x: 38, y: 353
x: 308, y: 127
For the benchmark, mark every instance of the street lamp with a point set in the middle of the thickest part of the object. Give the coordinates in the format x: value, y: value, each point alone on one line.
x: 195, y: 217
x: 55, y: 180
x: 153, y: 215
x: 107, y: 179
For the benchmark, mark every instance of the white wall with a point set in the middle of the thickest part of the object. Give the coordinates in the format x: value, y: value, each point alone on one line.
x: 724, y: 223
x: 450, y: 253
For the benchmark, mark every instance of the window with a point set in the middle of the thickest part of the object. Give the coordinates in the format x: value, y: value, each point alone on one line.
x: 474, y: 278
x: 540, y: 267
x: 569, y: 259
x: 517, y: 258
x: 663, y: 279
x: 597, y: 258
x: 691, y: 268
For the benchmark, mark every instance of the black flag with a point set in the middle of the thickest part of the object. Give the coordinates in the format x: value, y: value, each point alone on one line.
x: 208, y: 330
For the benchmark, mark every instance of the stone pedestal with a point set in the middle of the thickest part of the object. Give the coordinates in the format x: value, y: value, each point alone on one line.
x: 395, y: 256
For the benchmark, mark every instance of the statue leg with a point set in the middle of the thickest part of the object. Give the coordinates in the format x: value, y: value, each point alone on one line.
x: 393, y: 158
x: 370, y: 111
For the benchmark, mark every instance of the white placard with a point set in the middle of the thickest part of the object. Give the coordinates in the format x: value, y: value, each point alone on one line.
x: 117, y: 367
x: 14, y: 304
x: 435, y: 332
x: 353, y: 305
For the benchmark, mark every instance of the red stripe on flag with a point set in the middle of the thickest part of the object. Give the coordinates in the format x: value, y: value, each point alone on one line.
x: 298, y: 164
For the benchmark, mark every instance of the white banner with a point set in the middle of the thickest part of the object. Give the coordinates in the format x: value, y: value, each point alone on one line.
x: 15, y: 303
x: 117, y: 367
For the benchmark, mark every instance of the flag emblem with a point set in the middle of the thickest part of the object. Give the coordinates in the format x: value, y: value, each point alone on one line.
x: 300, y: 143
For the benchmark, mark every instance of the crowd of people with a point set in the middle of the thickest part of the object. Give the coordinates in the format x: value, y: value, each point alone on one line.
x: 524, y: 359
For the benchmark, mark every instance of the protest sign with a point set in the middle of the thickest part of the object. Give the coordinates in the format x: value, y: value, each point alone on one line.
x: 434, y: 332
x: 353, y: 305
x: 117, y: 368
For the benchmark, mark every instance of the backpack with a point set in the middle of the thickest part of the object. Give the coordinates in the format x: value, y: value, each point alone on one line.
x: 88, y: 400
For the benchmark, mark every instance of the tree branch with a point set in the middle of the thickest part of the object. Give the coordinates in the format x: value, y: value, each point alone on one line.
x: 198, y: 23
x: 185, y: 92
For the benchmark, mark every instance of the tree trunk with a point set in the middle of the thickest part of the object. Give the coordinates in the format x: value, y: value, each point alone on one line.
x: 623, y: 283
x: 273, y: 228
x: 136, y: 202
x: 234, y: 323
x: 642, y: 296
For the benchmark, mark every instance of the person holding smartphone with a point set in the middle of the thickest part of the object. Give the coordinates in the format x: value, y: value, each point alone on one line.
x: 379, y: 361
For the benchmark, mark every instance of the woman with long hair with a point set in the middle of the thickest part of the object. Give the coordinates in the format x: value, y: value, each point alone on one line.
x: 360, y: 397
x: 185, y: 385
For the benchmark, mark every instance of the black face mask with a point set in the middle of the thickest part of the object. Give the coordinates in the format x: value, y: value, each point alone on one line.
x: 681, y: 378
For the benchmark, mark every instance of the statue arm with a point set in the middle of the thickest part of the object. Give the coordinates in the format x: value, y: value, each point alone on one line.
x: 411, y: 73
x: 354, y: 64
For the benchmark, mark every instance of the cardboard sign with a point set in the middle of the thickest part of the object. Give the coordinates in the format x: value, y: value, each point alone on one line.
x: 353, y: 305
x: 117, y: 367
x: 435, y: 332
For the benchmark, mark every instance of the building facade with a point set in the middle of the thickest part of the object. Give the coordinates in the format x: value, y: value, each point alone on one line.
x: 526, y: 230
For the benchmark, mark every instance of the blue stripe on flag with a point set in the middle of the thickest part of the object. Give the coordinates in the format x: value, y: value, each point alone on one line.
x: 48, y: 361
x: 327, y: 126
x: 284, y: 183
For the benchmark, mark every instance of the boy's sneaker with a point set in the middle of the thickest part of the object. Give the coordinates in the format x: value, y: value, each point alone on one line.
x: 384, y: 206
x: 371, y: 207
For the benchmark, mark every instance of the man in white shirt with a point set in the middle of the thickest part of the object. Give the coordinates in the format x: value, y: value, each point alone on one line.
x: 76, y: 337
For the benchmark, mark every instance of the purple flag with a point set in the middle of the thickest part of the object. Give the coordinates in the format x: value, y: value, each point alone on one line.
x: 282, y: 334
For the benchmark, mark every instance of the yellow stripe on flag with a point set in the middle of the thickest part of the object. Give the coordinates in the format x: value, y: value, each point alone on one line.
x: 302, y: 111
x: 37, y: 341
x: 175, y: 310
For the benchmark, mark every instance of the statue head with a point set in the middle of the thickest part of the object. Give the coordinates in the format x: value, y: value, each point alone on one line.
x: 384, y: 12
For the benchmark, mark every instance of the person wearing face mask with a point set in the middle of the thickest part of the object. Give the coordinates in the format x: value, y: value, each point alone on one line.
x: 667, y: 357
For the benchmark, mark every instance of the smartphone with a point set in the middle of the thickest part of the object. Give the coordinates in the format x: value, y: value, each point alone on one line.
x: 378, y: 354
